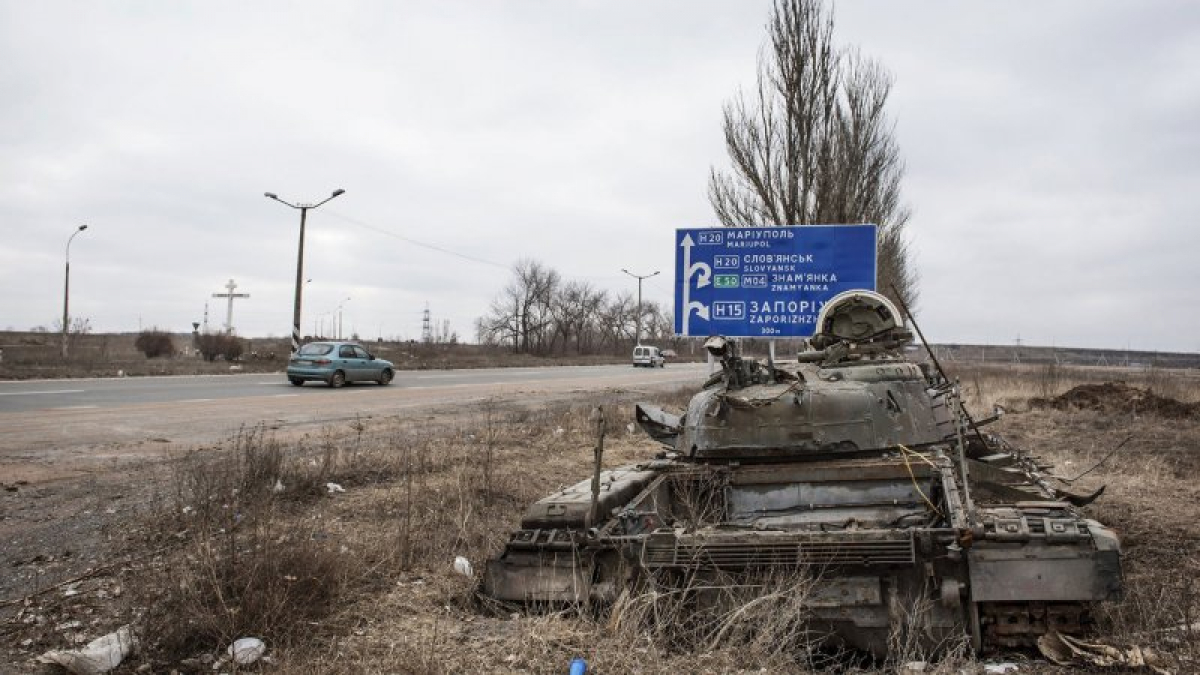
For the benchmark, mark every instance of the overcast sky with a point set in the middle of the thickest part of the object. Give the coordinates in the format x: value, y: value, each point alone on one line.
x: 1053, y: 154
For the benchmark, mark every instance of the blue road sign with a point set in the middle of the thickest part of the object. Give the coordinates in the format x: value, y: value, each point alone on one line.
x: 766, y: 281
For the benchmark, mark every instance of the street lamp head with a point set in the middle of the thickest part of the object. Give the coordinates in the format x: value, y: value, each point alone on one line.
x: 82, y: 228
x: 655, y: 272
x: 270, y: 195
x: 337, y: 192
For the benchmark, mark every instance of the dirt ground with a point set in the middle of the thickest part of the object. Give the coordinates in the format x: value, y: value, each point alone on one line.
x: 78, y: 549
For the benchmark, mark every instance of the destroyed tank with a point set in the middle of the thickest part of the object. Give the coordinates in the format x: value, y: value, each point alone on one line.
x: 854, y: 464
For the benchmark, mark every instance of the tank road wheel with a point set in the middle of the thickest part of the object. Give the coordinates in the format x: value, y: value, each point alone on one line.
x: 337, y: 379
x: 296, y: 381
x: 385, y: 378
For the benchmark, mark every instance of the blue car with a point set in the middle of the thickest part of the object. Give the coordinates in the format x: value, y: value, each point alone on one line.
x: 336, y: 363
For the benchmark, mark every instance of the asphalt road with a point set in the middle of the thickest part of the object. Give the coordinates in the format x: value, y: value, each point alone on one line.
x: 57, y: 428
x: 26, y: 396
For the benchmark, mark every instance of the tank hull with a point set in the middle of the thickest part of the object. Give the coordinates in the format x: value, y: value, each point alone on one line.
x: 865, y: 535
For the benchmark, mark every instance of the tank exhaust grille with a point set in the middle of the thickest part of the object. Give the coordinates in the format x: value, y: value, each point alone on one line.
x: 738, y: 555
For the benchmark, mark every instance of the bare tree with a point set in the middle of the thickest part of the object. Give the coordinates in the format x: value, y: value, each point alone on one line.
x: 537, y: 313
x: 814, y: 144
x: 521, y: 313
x: 658, y: 323
x: 574, y: 309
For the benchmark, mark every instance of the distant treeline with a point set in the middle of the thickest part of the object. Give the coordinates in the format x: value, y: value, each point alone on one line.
x: 540, y: 313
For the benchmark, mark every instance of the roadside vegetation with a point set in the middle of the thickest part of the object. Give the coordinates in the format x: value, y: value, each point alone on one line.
x: 36, y: 355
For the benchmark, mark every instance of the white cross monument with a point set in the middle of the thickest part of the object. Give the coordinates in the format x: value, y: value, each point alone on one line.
x: 229, y: 311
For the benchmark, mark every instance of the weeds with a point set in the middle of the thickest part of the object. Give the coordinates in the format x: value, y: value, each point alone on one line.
x: 763, y: 614
x: 246, y: 565
x: 262, y: 548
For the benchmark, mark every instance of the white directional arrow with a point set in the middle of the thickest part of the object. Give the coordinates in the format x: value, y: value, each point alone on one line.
x: 704, y: 270
x: 703, y: 275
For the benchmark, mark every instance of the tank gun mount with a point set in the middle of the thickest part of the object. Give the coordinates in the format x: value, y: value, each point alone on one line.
x: 739, y: 372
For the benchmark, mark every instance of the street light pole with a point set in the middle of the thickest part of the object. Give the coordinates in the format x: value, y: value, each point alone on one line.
x: 303, y: 208
x: 66, y: 321
x: 639, y: 277
x: 339, y: 317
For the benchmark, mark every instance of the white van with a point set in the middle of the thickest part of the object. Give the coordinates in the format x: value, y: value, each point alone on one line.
x: 647, y: 356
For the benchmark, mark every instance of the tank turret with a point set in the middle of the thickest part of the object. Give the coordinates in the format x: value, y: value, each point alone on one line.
x: 851, y: 393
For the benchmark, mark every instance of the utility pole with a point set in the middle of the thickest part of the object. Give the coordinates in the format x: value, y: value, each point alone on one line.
x: 229, y: 310
x: 66, y: 324
x: 426, y: 327
x: 303, y: 208
x: 637, y: 340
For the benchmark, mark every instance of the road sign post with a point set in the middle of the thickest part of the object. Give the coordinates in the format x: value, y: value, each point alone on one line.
x: 766, y: 281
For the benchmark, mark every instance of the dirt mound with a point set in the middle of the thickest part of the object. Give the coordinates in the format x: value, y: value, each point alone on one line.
x: 1118, y: 397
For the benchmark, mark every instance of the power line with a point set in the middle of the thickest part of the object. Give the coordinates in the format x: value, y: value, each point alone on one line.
x: 439, y: 249
x: 367, y: 226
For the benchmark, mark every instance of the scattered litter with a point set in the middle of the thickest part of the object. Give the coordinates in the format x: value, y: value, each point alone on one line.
x: 99, y: 656
x: 68, y: 625
x: 913, y: 668
x: 235, y: 367
x: 559, y: 431
x: 463, y: 566
x: 578, y: 666
x: 246, y: 650
x: 120, y: 373
x: 278, y: 487
x: 1065, y: 650
x: 1000, y: 668
x: 631, y: 427
x: 71, y: 590
x: 334, y: 487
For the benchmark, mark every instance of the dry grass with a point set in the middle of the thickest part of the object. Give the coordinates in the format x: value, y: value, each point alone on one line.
x: 1012, y: 385
x: 362, y: 581
x: 265, y: 549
